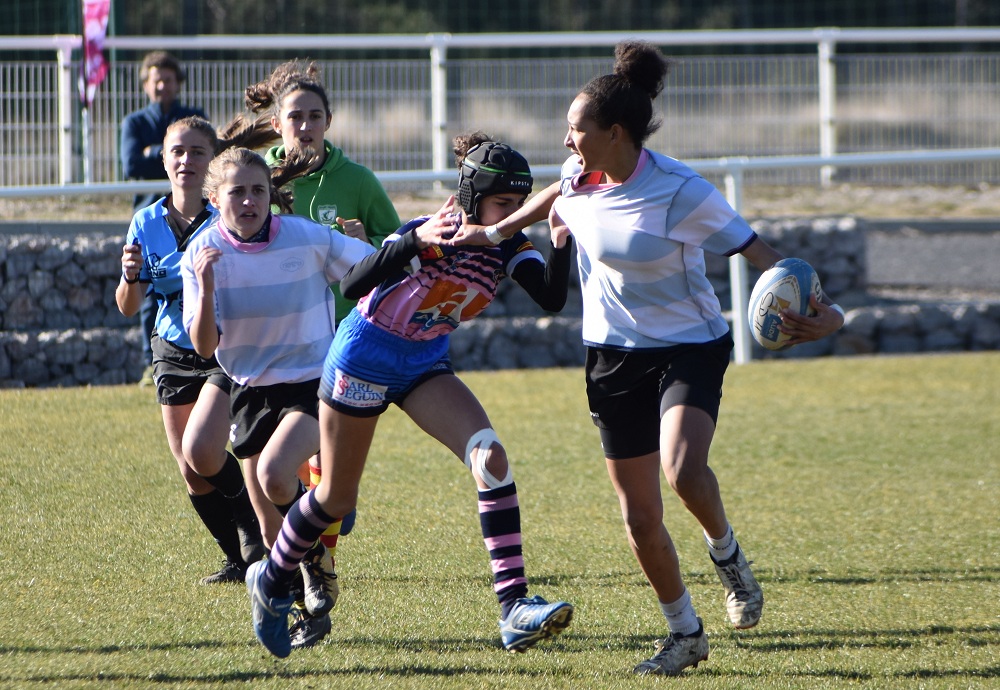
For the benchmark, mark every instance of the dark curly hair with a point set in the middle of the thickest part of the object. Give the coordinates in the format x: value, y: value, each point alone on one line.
x: 463, y: 143
x: 625, y: 97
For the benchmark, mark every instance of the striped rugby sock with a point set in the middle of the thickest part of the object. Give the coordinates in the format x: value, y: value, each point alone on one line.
x: 500, y: 520
x: 305, y: 522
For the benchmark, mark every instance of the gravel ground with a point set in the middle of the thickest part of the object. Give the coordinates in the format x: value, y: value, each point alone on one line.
x: 924, y: 202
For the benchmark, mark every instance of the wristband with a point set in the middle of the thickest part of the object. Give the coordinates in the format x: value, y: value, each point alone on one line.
x: 494, y: 236
x: 130, y: 282
x: 839, y: 309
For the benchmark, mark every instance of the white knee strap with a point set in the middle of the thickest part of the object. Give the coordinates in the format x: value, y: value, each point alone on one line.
x: 484, y: 439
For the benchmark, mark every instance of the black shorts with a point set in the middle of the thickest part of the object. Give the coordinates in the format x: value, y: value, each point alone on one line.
x: 180, y: 373
x: 256, y: 412
x: 629, y: 390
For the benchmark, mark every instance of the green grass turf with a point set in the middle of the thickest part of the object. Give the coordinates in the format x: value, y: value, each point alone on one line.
x: 866, y: 490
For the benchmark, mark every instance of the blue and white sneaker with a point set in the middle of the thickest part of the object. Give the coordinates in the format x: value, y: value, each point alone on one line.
x: 270, y: 616
x: 533, y: 620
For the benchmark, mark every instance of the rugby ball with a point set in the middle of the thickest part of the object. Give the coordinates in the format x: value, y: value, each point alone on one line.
x: 786, y: 285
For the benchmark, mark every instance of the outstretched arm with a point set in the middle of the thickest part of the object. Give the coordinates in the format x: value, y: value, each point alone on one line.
x: 394, y: 256
x: 535, y: 211
x: 367, y: 274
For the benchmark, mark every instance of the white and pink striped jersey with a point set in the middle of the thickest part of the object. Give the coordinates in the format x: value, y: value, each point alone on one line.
x: 641, y: 253
x: 274, y: 308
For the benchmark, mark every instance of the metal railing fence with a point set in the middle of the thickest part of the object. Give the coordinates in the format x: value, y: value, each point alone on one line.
x: 733, y: 171
x: 399, y: 115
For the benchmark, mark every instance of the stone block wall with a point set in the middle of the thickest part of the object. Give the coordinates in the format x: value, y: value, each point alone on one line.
x: 59, y: 325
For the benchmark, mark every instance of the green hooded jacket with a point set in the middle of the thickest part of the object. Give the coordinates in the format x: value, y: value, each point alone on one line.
x: 341, y: 187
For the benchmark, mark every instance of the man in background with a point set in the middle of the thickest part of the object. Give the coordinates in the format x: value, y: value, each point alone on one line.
x: 141, y: 151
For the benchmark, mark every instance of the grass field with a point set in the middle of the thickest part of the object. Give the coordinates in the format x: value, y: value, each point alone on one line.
x: 867, y: 491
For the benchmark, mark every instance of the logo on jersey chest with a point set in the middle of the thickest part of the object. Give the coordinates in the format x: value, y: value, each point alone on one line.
x: 292, y: 265
x: 153, y: 266
x: 327, y: 214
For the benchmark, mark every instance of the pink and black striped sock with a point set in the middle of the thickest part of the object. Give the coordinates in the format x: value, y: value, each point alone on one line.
x: 500, y: 520
x: 305, y: 522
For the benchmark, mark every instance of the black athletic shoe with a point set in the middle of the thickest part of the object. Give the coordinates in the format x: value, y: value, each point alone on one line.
x: 231, y: 572
x: 307, y: 630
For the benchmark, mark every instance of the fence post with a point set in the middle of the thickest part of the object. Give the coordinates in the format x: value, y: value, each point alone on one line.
x: 439, y: 103
x: 740, y: 297
x: 827, y: 77
x: 65, y: 87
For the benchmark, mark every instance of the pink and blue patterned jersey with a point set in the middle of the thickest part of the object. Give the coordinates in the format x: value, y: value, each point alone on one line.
x: 442, y: 286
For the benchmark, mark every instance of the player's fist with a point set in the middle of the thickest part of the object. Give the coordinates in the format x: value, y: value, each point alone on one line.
x: 131, y: 261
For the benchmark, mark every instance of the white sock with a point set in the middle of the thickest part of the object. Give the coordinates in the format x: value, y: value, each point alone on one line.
x: 724, y: 547
x: 680, y: 615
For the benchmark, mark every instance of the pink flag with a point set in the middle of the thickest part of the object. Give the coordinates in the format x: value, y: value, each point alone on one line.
x: 94, y: 67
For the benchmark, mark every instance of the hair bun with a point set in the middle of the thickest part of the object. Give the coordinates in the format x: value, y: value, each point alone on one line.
x: 641, y: 64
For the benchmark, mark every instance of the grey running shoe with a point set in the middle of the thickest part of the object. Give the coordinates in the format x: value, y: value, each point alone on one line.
x: 320, y: 579
x: 676, y: 653
x: 744, y: 598
x: 230, y: 572
x: 307, y: 630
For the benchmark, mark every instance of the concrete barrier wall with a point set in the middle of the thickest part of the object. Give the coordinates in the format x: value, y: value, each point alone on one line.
x: 59, y: 325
